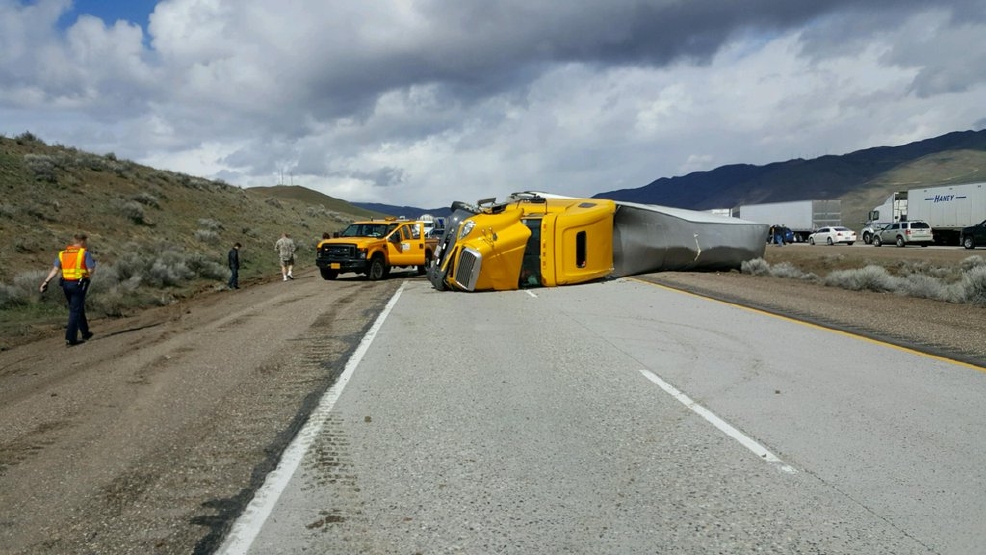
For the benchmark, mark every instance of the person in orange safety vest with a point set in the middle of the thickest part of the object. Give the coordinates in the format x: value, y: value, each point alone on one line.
x: 76, y: 266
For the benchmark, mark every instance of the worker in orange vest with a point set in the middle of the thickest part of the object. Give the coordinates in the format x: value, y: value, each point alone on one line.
x: 76, y: 266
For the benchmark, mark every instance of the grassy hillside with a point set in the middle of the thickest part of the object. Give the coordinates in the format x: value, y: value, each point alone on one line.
x: 158, y: 236
x: 941, y: 168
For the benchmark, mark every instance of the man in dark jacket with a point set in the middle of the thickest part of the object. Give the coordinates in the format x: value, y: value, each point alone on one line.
x: 234, y: 266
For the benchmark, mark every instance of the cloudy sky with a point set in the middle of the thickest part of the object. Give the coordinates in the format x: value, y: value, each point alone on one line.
x: 422, y: 102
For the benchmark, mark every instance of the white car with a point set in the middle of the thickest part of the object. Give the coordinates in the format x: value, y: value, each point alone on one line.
x: 832, y: 235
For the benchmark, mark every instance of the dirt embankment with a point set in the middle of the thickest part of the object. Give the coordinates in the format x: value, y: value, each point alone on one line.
x: 152, y: 436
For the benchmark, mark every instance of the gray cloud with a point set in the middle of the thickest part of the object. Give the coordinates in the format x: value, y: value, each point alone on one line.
x: 424, y: 98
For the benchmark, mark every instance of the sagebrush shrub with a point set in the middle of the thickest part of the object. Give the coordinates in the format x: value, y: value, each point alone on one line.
x: 133, y: 211
x: 210, y: 224
x: 923, y: 287
x: 202, y: 266
x: 11, y: 296
x: 971, y: 262
x: 869, y: 278
x: 147, y: 199
x: 24, y: 290
x: 755, y: 267
x: 206, y: 236
x: 788, y: 270
x: 43, y: 167
x: 973, y: 286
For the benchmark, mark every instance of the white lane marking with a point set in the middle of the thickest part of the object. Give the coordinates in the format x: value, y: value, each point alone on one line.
x: 531, y: 293
x: 730, y: 431
x: 245, y: 529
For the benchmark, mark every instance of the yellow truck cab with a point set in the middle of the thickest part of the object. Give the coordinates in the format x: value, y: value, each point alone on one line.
x: 374, y: 247
x: 526, y: 241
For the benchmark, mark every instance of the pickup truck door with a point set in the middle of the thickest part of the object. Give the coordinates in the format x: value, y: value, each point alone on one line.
x: 406, y: 245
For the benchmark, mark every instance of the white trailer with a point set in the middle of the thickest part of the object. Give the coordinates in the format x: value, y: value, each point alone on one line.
x: 802, y: 216
x: 948, y: 208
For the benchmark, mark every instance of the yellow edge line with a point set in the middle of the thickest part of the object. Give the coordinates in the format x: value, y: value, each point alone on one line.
x: 816, y: 326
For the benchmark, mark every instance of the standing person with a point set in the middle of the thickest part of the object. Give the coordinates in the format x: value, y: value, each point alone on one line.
x: 76, y: 265
x: 285, y: 248
x: 234, y: 266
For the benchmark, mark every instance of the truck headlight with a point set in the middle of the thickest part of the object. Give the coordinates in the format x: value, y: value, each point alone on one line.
x: 361, y: 254
x: 466, y: 228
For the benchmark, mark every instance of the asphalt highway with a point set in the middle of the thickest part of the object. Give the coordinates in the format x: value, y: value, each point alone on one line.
x: 624, y: 417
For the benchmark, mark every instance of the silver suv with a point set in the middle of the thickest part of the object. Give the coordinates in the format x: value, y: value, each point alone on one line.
x: 914, y: 232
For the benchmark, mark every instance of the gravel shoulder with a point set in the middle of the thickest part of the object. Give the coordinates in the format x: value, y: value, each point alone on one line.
x: 953, y: 331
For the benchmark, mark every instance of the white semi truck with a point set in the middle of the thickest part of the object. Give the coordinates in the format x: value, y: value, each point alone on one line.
x: 946, y: 208
x: 803, y: 217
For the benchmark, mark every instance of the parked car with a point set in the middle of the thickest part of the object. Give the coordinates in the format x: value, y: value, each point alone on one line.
x: 832, y: 235
x: 914, y: 232
x: 866, y: 234
x: 973, y: 235
x: 787, y: 235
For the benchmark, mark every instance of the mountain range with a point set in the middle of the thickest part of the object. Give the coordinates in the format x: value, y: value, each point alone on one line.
x: 860, y: 179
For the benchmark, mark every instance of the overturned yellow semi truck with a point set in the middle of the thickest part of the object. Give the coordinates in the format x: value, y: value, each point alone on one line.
x: 534, y: 239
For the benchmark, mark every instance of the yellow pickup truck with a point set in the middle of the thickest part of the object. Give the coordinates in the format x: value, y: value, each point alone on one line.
x: 374, y: 247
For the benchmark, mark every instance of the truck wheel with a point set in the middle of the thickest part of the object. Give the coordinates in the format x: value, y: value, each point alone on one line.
x: 378, y: 269
x: 867, y: 238
x: 900, y: 241
x: 424, y: 267
x: 968, y: 242
x: 328, y: 274
x: 876, y: 241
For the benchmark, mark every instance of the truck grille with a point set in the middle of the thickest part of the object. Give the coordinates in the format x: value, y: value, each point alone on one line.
x: 467, y: 271
x: 337, y: 252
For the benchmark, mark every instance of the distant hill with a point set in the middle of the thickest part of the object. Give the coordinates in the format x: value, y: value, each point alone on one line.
x: 409, y: 212
x: 314, y: 198
x: 861, y: 179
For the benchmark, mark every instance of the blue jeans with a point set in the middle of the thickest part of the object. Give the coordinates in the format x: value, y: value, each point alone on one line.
x: 75, y: 294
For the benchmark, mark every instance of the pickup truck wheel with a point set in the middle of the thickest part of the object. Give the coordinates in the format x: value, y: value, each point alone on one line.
x: 867, y: 238
x: 876, y: 241
x: 424, y: 267
x: 900, y: 241
x: 328, y: 274
x: 378, y: 269
x: 968, y: 242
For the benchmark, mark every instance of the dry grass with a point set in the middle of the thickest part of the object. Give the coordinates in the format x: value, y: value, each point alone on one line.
x: 158, y: 236
x: 952, y: 275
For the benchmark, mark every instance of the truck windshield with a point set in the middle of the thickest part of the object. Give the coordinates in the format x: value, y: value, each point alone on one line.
x: 366, y: 230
